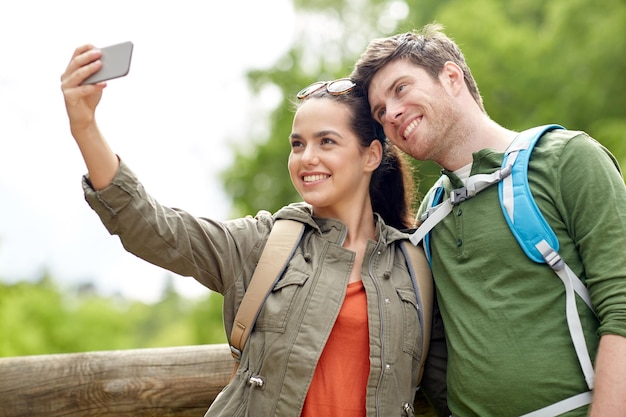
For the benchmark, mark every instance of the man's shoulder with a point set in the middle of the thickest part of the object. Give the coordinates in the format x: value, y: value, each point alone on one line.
x: 557, y: 144
x: 559, y: 138
x: 567, y: 144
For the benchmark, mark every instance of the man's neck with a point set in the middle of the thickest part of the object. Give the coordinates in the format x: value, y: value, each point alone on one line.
x: 485, y: 134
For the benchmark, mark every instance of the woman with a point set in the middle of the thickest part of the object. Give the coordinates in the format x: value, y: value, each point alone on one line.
x: 340, y: 333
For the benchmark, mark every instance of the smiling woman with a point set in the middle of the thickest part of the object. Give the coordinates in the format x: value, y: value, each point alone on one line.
x: 356, y: 191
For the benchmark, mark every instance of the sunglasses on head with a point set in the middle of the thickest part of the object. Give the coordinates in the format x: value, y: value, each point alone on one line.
x: 335, y: 88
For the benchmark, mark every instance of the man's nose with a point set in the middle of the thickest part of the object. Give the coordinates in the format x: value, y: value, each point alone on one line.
x: 394, y: 111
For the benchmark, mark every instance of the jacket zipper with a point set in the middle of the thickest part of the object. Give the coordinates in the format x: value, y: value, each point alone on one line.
x: 382, y: 324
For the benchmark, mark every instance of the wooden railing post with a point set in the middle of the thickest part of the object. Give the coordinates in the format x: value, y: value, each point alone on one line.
x: 177, y: 381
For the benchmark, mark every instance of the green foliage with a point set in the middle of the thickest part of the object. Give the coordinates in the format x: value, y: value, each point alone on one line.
x: 541, y: 62
x: 40, y: 318
x: 535, y: 62
x: 326, y: 48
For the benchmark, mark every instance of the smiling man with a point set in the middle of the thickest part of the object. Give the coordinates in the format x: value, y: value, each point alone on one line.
x: 510, y: 350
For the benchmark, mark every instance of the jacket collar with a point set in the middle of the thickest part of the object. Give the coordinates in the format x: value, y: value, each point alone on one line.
x: 333, y: 230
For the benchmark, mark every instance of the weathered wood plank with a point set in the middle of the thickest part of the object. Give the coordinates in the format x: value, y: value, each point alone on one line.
x: 177, y: 381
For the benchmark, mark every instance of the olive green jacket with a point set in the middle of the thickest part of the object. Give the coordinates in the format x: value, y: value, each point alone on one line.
x: 279, y: 360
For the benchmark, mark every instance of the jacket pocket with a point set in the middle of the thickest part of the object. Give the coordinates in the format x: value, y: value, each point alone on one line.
x: 412, y: 343
x: 281, y: 301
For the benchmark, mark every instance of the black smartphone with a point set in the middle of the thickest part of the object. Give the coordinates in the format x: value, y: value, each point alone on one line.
x: 115, y: 63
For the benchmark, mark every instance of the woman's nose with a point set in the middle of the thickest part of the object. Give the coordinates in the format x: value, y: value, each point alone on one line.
x: 310, y: 156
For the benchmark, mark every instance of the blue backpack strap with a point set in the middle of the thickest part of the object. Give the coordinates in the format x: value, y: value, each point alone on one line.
x: 520, y: 210
x: 539, y: 242
x: 436, y: 197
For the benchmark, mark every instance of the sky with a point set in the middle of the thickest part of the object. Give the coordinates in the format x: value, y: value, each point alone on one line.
x: 173, y: 119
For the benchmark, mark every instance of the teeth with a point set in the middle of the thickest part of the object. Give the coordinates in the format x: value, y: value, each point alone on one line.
x: 410, y: 128
x: 311, y: 178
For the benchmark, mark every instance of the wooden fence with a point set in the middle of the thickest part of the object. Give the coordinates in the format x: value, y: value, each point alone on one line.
x: 178, y: 381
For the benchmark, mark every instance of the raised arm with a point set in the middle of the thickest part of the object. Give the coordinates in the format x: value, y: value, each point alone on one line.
x: 81, y: 102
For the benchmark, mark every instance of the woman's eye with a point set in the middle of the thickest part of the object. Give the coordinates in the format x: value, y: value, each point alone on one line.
x: 327, y: 141
x: 399, y: 88
x: 296, y: 144
x: 380, y: 115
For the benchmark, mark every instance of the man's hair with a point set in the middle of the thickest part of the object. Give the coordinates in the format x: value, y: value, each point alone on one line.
x: 428, y: 48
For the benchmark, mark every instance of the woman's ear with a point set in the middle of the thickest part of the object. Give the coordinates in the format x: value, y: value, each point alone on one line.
x: 374, y: 155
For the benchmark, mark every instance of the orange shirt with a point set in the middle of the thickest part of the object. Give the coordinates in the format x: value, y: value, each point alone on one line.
x: 339, y: 383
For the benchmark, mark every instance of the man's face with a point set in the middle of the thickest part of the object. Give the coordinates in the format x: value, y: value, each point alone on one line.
x: 414, y: 109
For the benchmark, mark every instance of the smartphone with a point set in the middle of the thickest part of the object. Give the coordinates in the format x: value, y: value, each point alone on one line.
x: 115, y: 63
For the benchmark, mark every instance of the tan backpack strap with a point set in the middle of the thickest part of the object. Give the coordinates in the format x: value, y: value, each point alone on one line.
x: 424, y: 289
x: 279, y: 248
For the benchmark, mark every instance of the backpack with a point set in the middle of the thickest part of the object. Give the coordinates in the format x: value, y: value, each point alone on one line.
x: 279, y: 249
x: 534, y: 235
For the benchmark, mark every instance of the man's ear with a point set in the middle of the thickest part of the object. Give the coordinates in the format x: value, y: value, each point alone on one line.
x: 374, y: 155
x: 451, y: 76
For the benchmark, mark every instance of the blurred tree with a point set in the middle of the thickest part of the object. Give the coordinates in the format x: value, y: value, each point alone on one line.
x: 330, y: 37
x: 535, y: 62
x: 548, y: 62
x: 206, y: 321
x: 40, y: 318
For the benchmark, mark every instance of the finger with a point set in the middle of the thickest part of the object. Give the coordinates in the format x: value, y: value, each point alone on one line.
x: 72, y: 89
x: 77, y: 52
x: 83, y: 56
x: 74, y: 79
x: 74, y: 95
x: 81, y: 49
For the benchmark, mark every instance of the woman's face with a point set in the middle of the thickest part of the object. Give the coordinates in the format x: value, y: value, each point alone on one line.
x: 328, y: 166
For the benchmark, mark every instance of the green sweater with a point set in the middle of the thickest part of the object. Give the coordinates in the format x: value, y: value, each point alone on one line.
x: 509, y: 347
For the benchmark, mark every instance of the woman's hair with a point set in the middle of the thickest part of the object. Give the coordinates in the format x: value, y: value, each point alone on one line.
x: 392, y: 186
x: 428, y: 48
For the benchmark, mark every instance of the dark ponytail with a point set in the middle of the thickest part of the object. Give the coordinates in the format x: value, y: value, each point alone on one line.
x: 392, y: 188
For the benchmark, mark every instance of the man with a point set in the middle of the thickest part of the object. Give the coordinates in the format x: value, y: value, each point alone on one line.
x: 510, y: 351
